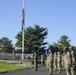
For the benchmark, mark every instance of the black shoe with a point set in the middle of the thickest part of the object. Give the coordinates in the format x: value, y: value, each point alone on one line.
x: 47, y: 69
x: 34, y: 70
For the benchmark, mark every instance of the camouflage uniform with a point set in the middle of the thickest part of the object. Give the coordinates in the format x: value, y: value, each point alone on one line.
x: 73, y: 61
x: 35, y: 62
x: 42, y: 59
x: 62, y: 62
x: 47, y: 63
x: 67, y: 61
x: 62, y: 58
x: 47, y: 57
x: 50, y: 63
x: 55, y: 61
x: 59, y: 61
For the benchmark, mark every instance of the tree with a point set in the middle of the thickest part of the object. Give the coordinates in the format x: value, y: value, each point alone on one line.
x: 6, y: 45
x: 41, y: 50
x: 34, y: 38
x: 64, y: 41
x: 53, y: 47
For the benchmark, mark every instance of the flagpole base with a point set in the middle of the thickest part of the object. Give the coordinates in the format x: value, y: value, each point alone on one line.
x: 22, y: 56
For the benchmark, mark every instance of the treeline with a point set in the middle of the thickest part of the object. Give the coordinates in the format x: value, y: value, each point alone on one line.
x: 34, y: 40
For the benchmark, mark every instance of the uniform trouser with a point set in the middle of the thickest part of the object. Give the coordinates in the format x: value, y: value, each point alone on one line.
x: 47, y: 63
x: 50, y: 64
x: 42, y: 63
x: 68, y: 71
x: 55, y: 65
x: 73, y: 70
x: 62, y: 64
x: 59, y: 66
x: 35, y: 65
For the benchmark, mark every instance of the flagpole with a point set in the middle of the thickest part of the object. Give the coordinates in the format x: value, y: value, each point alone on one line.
x: 23, y: 24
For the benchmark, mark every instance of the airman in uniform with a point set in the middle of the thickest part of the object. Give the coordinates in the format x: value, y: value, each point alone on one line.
x: 50, y: 62
x: 59, y: 62
x: 47, y: 61
x: 67, y: 61
x: 62, y: 61
x: 42, y: 59
x: 73, y: 60
x: 55, y: 61
x: 35, y: 61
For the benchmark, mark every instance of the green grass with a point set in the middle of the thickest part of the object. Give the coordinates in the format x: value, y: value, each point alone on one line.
x: 6, y: 67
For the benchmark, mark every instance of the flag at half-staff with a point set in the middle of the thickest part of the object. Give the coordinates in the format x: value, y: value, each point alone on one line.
x: 23, y: 14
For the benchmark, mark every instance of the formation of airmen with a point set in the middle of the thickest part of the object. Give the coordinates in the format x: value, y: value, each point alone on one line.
x: 58, y: 62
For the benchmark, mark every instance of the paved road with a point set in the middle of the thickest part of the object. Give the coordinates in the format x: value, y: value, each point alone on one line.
x: 41, y: 71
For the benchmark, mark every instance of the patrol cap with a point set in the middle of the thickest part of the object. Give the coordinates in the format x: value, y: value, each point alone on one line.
x: 50, y: 49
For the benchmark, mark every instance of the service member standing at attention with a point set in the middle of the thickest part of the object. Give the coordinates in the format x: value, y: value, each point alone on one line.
x: 73, y: 60
x: 47, y: 62
x: 42, y: 59
x: 62, y: 58
x: 59, y: 62
x: 35, y: 61
x: 55, y: 61
x: 67, y: 61
x: 50, y: 62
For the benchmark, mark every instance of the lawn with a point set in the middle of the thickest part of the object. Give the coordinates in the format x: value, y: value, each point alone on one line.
x: 6, y: 67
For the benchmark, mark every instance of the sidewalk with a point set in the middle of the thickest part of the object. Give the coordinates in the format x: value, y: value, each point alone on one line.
x: 41, y: 71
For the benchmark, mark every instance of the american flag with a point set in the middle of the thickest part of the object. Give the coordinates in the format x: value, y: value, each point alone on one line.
x: 22, y: 19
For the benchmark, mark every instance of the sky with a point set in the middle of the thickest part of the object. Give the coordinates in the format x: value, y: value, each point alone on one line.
x: 58, y: 16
